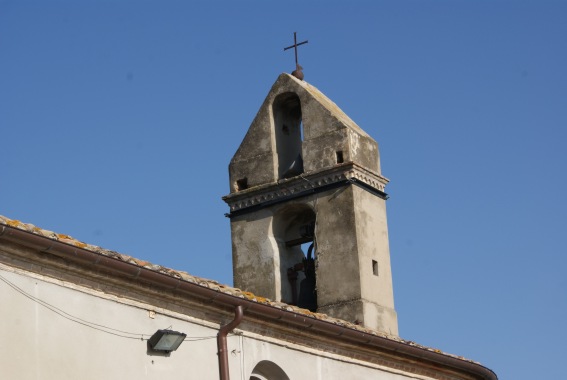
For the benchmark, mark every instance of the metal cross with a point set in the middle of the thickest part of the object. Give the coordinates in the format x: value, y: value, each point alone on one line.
x: 295, y: 45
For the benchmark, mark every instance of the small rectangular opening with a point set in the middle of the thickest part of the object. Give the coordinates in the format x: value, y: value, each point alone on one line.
x: 340, y: 158
x: 375, y: 267
x: 241, y: 184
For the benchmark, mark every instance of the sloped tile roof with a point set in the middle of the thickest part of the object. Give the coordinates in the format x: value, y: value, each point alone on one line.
x: 211, y: 284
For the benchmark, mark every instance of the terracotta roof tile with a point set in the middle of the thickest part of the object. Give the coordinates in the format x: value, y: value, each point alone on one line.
x: 211, y: 284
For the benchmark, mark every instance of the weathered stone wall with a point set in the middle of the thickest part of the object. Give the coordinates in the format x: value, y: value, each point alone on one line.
x: 255, y: 255
x: 351, y: 234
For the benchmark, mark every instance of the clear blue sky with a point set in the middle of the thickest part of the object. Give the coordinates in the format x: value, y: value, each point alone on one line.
x: 118, y: 120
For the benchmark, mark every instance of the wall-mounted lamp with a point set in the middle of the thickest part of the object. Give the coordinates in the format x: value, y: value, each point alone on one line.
x: 166, y: 340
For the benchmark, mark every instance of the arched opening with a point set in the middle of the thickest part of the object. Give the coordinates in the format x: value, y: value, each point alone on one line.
x: 267, y: 370
x: 294, y: 229
x: 289, y: 134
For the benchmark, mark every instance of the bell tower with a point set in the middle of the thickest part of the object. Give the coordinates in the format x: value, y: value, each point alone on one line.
x: 308, y: 211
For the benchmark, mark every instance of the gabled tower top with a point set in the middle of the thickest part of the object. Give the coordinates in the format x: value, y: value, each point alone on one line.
x: 297, y: 120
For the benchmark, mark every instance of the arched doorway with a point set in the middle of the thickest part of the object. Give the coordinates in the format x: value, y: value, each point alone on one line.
x: 267, y: 370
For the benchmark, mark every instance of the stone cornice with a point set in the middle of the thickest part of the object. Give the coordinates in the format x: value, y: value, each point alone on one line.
x: 306, y: 184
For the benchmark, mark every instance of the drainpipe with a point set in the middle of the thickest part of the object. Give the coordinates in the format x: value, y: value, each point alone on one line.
x: 221, y: 342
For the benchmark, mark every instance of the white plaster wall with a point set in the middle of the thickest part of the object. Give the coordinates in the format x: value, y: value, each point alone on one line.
x: 40, y: 344
x: 299, y: 363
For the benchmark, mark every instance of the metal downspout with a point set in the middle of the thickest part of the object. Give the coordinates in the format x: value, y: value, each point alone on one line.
x: 221, y: 342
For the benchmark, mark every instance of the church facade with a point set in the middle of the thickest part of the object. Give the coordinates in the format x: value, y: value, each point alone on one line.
x: 307, y: 210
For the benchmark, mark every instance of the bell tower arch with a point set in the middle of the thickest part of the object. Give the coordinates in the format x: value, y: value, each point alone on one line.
x: 288, y: 133
x: 294, y: 229
x: 308, y: 211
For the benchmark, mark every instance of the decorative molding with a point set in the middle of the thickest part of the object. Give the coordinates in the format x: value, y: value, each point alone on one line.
x: 306, y: 184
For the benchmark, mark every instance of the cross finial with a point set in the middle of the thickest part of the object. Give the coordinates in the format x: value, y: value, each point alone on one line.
x: 297, y: 72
